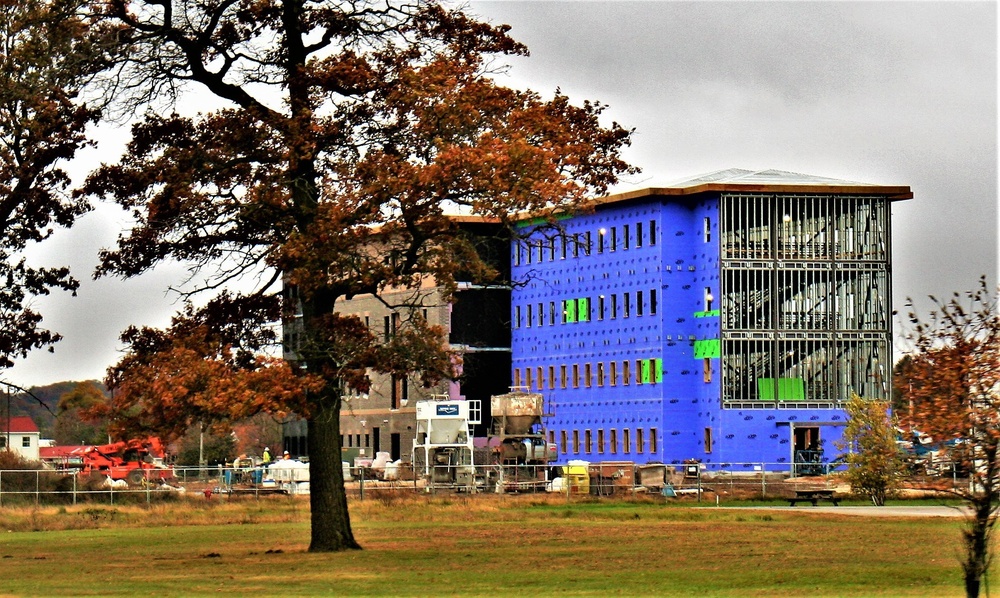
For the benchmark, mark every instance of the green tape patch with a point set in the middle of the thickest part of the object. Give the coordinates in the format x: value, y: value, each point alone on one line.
x: 707, y: 348
x: 786, y: 389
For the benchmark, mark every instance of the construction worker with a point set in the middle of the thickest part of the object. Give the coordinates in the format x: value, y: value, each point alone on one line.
x: 286, y: 457
x: 267, y: 456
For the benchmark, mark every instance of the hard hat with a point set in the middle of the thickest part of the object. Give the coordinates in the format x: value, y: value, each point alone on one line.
x: 266, y: 449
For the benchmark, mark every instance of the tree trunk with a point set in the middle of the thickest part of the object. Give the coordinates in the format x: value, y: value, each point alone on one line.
x: 331, y: 522
x: 977, y: 548
x: 971, y: 586
x: 977, y: 536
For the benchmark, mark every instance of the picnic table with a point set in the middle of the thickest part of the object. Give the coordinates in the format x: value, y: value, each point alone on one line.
x: 814, y: 496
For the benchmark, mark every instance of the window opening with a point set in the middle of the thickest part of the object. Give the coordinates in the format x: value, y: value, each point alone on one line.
x: 652, y: 440
x: 626, y: 375
x: 576, y: 441
x: 614, y: 238
x: 626, y: 441
x: 652, y: 232
x: 600, y: 240
x: 586, y: 375
x: 600, y: 442
x: 625, y: 239
x: 398, y: 391
x: 652, y: 302
x: 638, y: 303
x: 614, y: 441
x: 638, y: 234
x: 708, y: 440
x: 588, y: 441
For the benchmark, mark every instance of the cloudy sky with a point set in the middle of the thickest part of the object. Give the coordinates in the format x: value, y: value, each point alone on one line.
x: 894, y: 93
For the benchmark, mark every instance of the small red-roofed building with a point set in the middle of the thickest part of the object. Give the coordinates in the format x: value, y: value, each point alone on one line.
x: 21, y: 435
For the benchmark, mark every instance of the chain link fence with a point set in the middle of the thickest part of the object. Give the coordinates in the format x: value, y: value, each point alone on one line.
x: 731, y: 481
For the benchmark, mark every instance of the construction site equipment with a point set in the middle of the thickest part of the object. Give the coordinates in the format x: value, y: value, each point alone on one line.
x: 521, y: 450
x: 134, y: 461
x: 444, y: 442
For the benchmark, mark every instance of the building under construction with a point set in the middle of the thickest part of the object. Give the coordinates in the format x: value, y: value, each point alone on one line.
x: 725, y: 319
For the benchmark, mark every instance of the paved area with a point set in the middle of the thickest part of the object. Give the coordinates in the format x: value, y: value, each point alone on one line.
x: 895, y: 511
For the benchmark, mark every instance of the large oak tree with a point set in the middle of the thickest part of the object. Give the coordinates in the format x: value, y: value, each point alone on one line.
x: 48, y: 57
x: 350, y: 131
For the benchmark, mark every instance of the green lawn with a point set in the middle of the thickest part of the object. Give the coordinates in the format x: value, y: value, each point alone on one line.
x: 482, y: 546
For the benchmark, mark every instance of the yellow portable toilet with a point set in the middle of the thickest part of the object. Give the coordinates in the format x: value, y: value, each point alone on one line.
x: 577, y: 477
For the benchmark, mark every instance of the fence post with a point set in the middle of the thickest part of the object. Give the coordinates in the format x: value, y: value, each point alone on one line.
x: 361, y: 484
x: 37, y: 488
x: 74, y: 487
x: 1, y: 488
x: 763, y: 481
x: 699, y: 482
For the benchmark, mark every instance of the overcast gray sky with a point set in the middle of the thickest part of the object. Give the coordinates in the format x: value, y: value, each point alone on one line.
x: 882, y: 92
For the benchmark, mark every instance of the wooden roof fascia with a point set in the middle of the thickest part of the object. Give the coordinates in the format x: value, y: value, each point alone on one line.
x: 894, y: 193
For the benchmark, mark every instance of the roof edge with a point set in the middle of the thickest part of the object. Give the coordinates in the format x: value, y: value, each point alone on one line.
x: 893, y: 192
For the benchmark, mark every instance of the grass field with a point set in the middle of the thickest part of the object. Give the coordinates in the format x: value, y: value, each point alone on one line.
x: 474, y: 546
